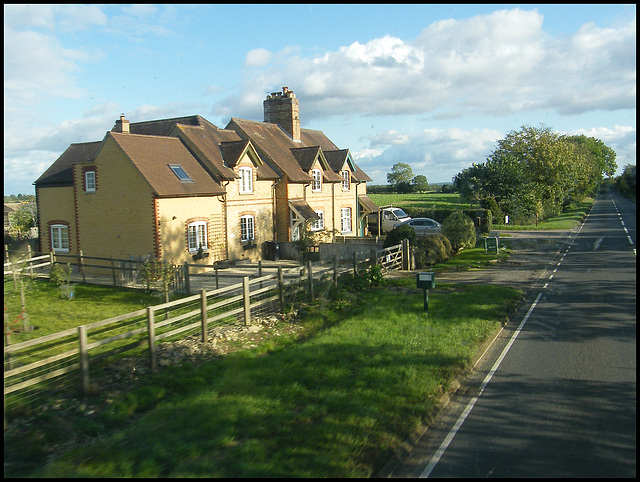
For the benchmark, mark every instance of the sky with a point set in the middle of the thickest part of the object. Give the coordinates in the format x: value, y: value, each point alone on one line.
x: 432, y: 86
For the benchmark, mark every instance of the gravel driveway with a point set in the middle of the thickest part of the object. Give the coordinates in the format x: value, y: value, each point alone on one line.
x: 531, y: 253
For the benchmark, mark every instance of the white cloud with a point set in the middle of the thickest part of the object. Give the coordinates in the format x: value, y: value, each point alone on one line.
x: 68, y: 18
x: 496, y: 64
x: 38, y: 65
x: 439, y: 154
x: 258, y: 58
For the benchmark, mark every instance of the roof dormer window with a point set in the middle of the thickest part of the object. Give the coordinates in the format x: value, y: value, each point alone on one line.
x: 180, y: 173
x: 317, y: 180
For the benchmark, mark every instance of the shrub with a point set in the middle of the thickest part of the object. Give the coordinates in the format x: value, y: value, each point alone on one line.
x: 432, y: 249
x: 459, y: 228
x: 399, y: 233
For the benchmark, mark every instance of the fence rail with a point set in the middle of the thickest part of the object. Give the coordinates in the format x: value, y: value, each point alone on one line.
x: 30, y: 364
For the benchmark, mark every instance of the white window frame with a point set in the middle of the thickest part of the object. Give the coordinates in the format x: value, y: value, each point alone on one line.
x: 345, y: 220
x: 197, y: 236
x: 346, y: 180
x: 319, y: 224
x: 90, y: 181
x: 246, y: 180
x: 247, y: 228
x: 58, y: 241
x: 316, y: 185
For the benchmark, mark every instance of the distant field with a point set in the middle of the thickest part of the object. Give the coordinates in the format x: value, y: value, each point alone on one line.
x: 431, y: 200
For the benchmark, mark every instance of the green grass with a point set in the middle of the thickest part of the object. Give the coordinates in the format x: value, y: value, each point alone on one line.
x: 567, y: 220
x: 421, y: 200
x: 49, y: 313
x: 335, y: 404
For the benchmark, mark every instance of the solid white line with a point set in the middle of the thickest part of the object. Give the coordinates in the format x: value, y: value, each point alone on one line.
x: 465, y: 413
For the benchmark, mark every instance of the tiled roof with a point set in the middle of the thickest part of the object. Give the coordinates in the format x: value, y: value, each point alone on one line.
x: 205, y: 140
x: 337, y: 160
x: 310, y: 137
x: 285, y: 156
x: 273, y: 145
x: 152, y: 156
x: 220, y: 149
x: 367, y: 204
x: 162, y: 127
x: 303, y: 209
x: 60, y: 173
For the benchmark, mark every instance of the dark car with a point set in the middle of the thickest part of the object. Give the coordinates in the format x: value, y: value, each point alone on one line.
x: 422, y: 225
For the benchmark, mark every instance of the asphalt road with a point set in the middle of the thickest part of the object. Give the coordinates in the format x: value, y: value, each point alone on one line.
x: 555, y: 395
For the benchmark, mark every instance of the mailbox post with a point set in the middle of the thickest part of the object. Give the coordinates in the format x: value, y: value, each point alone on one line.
x: 425, y: 281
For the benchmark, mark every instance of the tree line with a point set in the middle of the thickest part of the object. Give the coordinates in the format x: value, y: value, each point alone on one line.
x: 534, y: 173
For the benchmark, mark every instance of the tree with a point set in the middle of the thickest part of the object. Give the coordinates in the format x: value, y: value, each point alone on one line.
x: 24, y: 218
x: 535, y: 172
x: 459, y: 228
x: 400, y: 177
x: 420, y: 183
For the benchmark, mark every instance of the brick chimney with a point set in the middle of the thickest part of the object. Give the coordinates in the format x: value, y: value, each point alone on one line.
x: 122, y: 125
x: 283, y: 108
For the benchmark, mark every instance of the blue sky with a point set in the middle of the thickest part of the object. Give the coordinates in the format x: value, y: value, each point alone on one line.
x: 433, y: 86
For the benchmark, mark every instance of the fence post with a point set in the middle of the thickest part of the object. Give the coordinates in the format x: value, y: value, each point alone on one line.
x: 335, y: 270
x: 310, y: 275
x: 84, y: 359
x: 215, y: 270
x: 30, y: 262
x: 151, y: 328
x: 281, y: 288
x: 81, y: 266
x: 355, y: 263
x: 15, y: 275
x: 187, y: 284
x: 405, y: 255
x: 113, y: 272
x: 203, y: 312
x: 247, y: 301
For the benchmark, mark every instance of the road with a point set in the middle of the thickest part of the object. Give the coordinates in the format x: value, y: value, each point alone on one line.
x: 555, y: 396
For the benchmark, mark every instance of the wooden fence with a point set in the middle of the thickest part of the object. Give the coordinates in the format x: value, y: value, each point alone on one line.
x: 73, y: 351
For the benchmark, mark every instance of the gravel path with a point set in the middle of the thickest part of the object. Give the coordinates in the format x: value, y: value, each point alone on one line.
x: 531, y: 253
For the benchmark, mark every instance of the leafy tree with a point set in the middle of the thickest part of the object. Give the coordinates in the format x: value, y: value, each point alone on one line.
x: 626, y: 182
x: 420, y: 183
x: 400, y: 177
x: 24, y: 218
x: 535, y: 172
x: 459, y: 228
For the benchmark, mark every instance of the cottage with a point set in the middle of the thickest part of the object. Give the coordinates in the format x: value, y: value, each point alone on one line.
x: 183, y: 189
x: 316, y: 176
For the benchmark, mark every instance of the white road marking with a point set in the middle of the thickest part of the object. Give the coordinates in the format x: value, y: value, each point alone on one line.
x: 465, y: 413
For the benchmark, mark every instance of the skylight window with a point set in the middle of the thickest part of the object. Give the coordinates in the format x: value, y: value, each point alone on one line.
x: 180, y: 172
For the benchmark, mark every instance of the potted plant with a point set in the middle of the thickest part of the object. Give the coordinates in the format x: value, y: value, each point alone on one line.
x: 201, y: 254
x: 249, y: 243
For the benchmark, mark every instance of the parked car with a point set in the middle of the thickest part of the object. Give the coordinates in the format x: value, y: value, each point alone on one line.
x: 422, y: 225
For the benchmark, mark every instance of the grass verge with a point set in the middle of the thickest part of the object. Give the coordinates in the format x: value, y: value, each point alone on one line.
x: 335, y: 403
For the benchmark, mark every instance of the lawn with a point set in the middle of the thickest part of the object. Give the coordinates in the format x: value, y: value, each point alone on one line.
x: 49, y: 313
x: 429, y: 200
x: 335, y: 403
